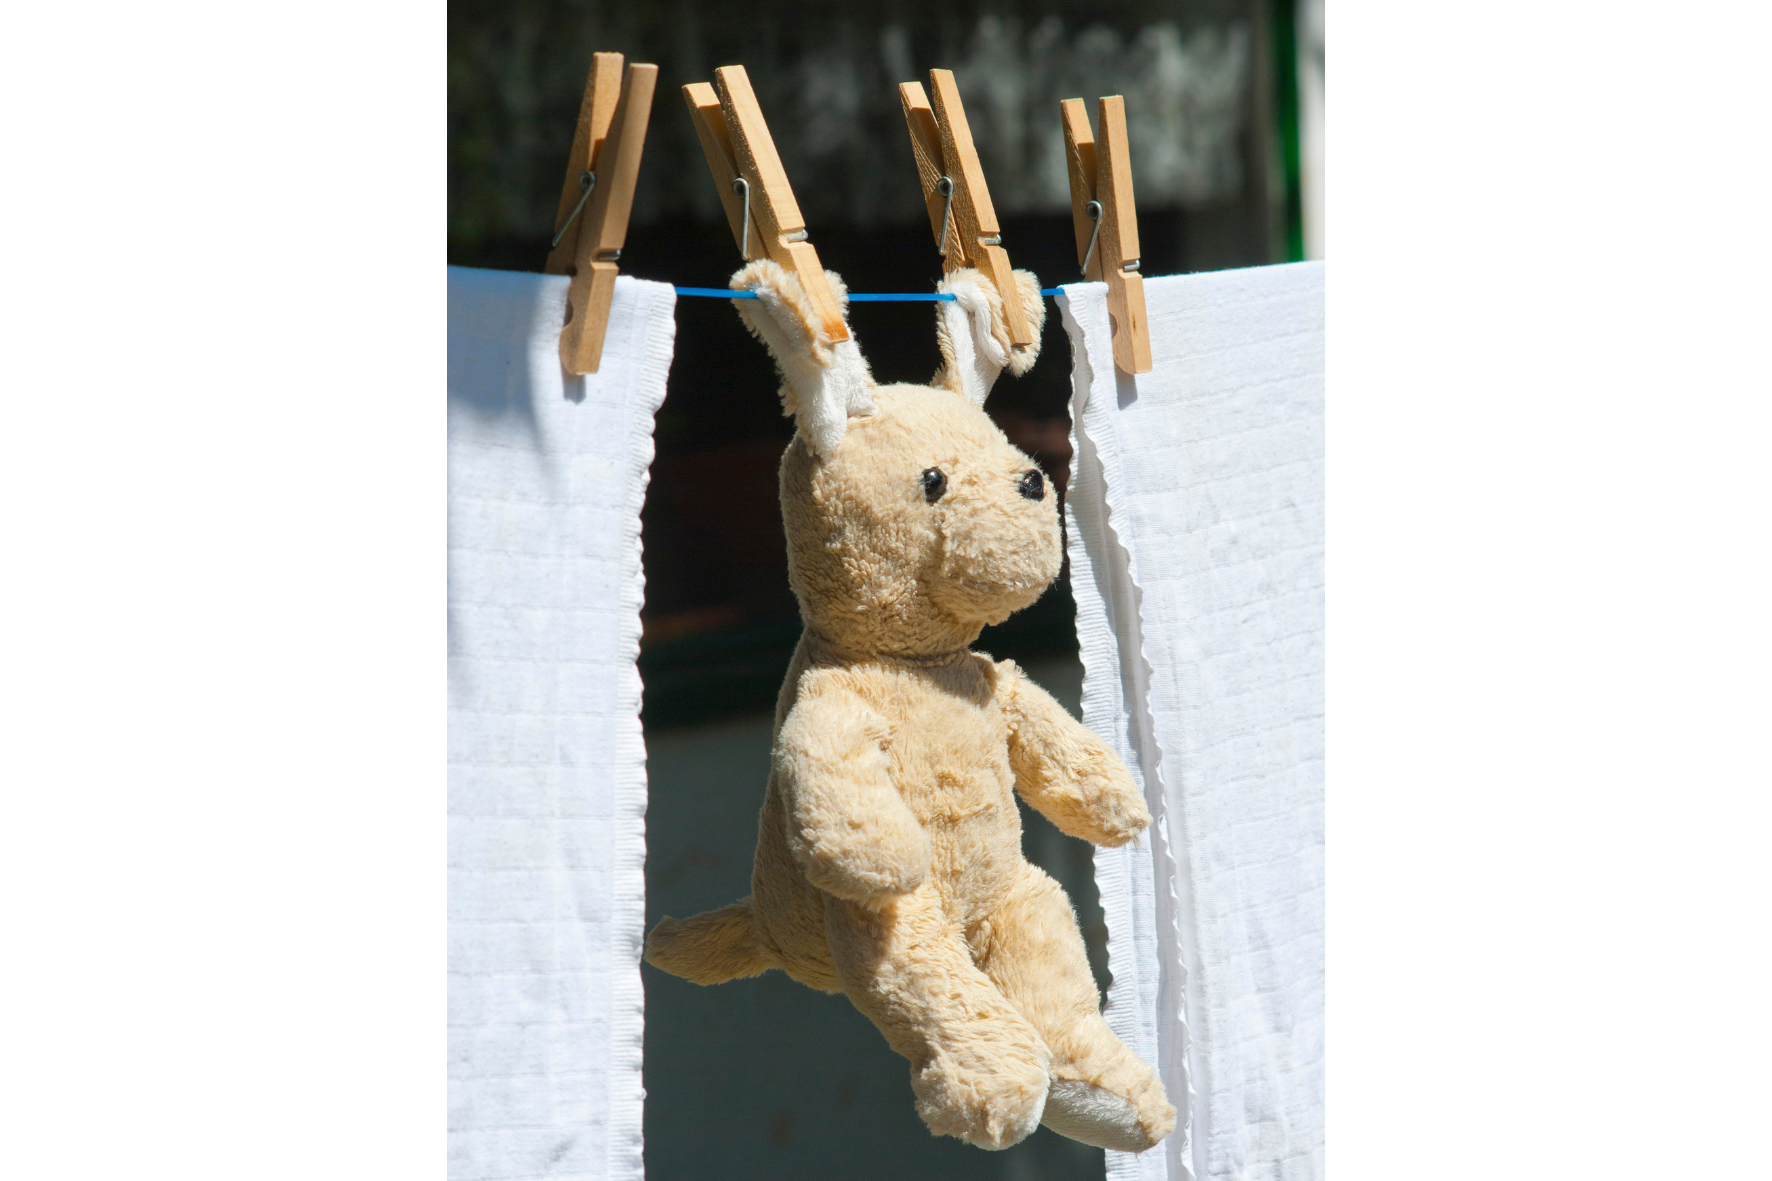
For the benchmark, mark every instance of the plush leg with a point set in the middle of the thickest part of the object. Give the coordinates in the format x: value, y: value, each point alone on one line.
x: 978, y: 1068
x: 1101, y: 1093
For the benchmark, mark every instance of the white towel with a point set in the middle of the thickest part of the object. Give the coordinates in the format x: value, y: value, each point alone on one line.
x: 1196, y: 542
x: 547, y: 773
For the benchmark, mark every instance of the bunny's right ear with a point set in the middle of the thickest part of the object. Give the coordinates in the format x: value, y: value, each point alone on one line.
x: 825, y: 383
x: 973, y: 335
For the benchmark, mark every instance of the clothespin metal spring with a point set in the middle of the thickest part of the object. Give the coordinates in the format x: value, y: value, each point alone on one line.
x: 1094, y: 211
x: 586, y: 181
x: 945, y: 186
x: 743, y: 188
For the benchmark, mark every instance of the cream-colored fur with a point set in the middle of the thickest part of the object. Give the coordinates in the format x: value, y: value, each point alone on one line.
x: 889, y: 858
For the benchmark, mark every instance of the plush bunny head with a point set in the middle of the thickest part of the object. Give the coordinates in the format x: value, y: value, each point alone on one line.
x: 911, y: 521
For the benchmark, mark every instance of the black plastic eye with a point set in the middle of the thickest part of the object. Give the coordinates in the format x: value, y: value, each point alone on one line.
x: 934, y: 484
x: 1033, y: 485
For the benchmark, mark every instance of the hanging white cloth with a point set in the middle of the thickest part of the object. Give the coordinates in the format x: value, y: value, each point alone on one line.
x: 1195, y: 521
x: 547, y: 772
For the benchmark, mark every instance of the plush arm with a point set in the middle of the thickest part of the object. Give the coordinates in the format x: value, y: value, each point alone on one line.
x: 1064, y: 771
x: 847, y: 825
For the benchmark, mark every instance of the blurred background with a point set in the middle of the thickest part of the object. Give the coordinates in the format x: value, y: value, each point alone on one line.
x: 1224, y: 100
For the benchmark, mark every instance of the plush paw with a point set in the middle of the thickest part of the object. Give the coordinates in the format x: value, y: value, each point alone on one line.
x: 1085, y: 1112
x: 993, y: 1105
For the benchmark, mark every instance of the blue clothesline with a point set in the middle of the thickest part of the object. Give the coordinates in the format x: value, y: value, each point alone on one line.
x: 854, y: 297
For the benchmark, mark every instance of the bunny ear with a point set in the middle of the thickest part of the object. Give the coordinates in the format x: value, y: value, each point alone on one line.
x: 825, y: 384
x: 974, y: 338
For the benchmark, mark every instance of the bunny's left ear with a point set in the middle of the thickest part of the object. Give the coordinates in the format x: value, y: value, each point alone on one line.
x: 974, y: 338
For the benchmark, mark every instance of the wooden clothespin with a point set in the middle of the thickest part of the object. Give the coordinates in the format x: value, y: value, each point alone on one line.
x: 754, y: 188
x: 596, y: 199
x: 1106, y: 222
x: 959, y: 203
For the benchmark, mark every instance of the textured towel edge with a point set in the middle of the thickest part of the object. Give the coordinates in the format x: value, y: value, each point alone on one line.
x: 653, y: 305
x: 1145, y: 932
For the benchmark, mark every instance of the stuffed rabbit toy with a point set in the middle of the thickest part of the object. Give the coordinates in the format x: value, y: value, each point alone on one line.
x: 889, y: 861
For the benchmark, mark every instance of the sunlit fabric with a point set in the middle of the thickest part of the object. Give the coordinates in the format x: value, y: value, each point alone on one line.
x: 1195, y: 527
x: 547, y: 775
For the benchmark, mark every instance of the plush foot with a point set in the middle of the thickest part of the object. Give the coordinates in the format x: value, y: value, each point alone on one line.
x: 1095, y: 1116
x: 994, y: 1106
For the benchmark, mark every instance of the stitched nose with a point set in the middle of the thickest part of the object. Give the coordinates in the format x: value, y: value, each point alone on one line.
x: 1033, y: 485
